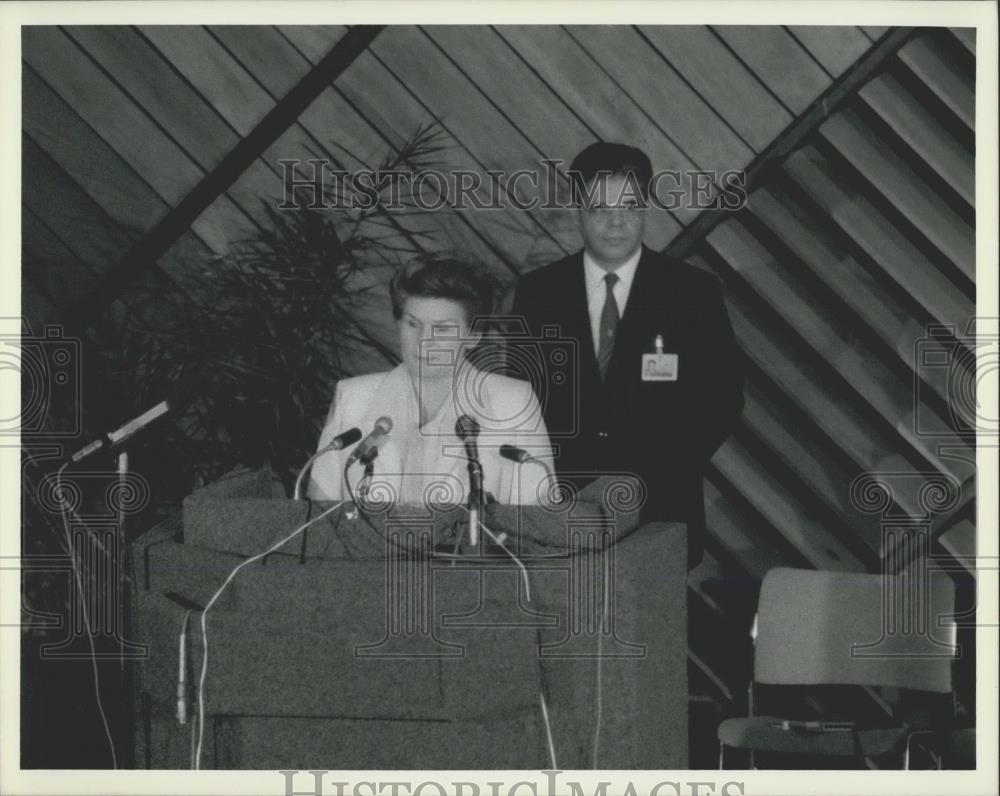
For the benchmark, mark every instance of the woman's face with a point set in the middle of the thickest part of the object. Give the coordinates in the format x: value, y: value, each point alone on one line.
x: 433, y: 336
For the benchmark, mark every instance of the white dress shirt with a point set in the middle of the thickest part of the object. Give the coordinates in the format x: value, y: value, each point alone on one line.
x: 421, y: 464
x: 593, y: 276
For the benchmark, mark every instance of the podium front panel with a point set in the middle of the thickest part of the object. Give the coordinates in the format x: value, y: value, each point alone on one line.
x: 381, y: 656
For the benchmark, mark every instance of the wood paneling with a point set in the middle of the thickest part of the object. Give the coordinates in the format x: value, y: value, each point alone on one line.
x: 818, y: 478
x: 158, y: 88
x: 53, y: 125
x: 722, y: 81
x: 836, y: 48
x: 503, y: 237
x: 834, y: 270
x: 779, y: 61
x: 67, y: 211
x: 126, y: 128
x: 329, y: 129
x: 608, y: 112
x: 942, y: 76
x: 105, y: 107
x: 96, y: 169
x: 863, y: 298
x: 831, y: 341
x: 967, y: 36
x: 258, y: 50
x: 443, y: 90
x: 783, y: 509
x: 808, y: 382
x: 624, y: 54
x: 879, y: 238
x: 202, y: 133
x: 52, y: 269
x: 734, y: 532
x: 930, y: 140
x: 481, y: 54
x: 896, y: 181
x: 874, y: 32
x: 212, y: 72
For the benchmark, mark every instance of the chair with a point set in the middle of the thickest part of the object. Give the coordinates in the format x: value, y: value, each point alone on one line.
x: 835, y: 628
x: 960, y: 751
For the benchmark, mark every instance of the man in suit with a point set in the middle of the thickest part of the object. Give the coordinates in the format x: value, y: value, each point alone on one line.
x: 659, y: 382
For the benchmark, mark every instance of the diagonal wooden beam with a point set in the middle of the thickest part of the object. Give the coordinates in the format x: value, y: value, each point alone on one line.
x: 145, y: 252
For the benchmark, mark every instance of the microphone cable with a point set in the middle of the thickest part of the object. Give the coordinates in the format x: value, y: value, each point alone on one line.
x: 548, y: 731
x: 499, y: 540
x: 338, y: 443
x: 63, y: 513
x: 211, y: 602
x: 182, y: 685
x: 599, y: 696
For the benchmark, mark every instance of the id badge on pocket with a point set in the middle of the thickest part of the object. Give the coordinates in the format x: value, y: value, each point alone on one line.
x: 659, y: 367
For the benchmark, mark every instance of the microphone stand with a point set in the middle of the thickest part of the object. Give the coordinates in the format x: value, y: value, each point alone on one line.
x: 368, y: 460
x: 120, y: 553
x: 475, y: 500
x: 467, y: 429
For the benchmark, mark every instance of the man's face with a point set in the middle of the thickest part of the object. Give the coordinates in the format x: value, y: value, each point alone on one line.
x: 614, y: 223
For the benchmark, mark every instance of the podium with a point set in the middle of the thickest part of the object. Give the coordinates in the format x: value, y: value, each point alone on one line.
x: 364, y: 645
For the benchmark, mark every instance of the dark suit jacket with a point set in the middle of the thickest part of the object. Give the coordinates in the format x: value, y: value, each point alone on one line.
x: 665, y: 432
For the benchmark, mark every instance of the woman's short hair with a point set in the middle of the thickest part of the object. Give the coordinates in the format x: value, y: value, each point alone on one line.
x: 448, y: 277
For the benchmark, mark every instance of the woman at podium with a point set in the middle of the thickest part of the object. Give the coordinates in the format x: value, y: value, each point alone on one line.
x: 443, y: 387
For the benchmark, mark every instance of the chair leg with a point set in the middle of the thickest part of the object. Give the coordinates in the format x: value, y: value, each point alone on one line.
x: 906, y: 749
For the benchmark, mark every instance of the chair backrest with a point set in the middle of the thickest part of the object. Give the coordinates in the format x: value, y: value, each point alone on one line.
x: 838, y: 628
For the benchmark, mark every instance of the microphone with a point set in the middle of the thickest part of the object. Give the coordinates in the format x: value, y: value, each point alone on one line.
x: 115, y: 438
x: 179, y: 396
x: 368, y: 447
x: 519, y: 455
x: 467, y: 430
x: 339, y: 442
x: 343, y: 439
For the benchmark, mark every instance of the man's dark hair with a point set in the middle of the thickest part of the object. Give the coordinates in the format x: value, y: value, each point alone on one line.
x: 436, y: 276
x: 613, y: 159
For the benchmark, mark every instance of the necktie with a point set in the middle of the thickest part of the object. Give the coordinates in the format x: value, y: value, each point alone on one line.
x: 608, y: 326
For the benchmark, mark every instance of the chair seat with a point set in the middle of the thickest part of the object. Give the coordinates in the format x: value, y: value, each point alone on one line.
x: 765, y: 733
